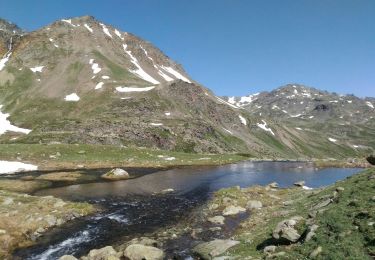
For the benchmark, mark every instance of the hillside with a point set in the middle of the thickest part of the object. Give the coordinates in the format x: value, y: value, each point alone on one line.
x: 80, y: 81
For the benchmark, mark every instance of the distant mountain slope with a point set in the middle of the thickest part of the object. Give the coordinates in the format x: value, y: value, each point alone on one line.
x: 81, y: 81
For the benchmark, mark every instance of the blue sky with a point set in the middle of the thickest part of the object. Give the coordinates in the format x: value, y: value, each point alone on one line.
x: 239, y: 47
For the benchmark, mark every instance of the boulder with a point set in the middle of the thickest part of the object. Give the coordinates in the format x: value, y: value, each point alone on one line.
x: 269, y: 249
x: 141, y: 252
x: 371, y: 159
x: 273, y: 185
x: 213, y: 248
x: 146, y: 242
x: 316, y: 252
x: 217, y: 220
x: 233, y: 210
x: 116, y: 174
x: 286, y: 229
x: 323, y: 204
x: 299, y: 183
x: 254, y: 204
x: 67, y: 257
x: 105, y: 253
x: 311, y: 232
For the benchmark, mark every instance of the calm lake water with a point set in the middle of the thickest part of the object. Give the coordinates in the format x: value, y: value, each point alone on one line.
x: 131, y: 210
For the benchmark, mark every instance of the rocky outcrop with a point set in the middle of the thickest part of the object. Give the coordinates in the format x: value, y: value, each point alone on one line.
x: 286, y: 229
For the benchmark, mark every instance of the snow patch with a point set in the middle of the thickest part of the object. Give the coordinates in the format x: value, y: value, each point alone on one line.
x: 105, y: 77
x: 332, y: 140
x: 167, y: 113
x: 298, y: 128
x: 156, y: 124
x: 369, y: 104
x: 69, y: 21
x: 139, y: 71
x: 105, y: 30
x: 119, y: 34
x: 265, y: 127
x: 5, y: 125
x: 224, y: 102
x: 72, y: 97
x: 94, y: 66
x: 13, y: 167
x: 226, y: 130
x: 243, y: 120
x: 37, y: 69
x: 99, y: 85
x: 88, y: 28
x: 176, y: 74
x: 132, y: 89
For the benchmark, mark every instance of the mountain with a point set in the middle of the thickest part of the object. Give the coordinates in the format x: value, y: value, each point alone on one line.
x: 315, y: 117
x: 79, y: 80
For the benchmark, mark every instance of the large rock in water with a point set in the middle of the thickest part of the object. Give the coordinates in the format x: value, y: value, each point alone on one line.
x: 214, y: 248
x: 116, y: 174
x: 141, y: 252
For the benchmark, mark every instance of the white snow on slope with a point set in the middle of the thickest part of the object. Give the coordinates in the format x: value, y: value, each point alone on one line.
x: 167, y: 113
x: 175, y: 73
x: 332, y: 140
x: 224, y: 102
x: 156, y: 124
x: 226, y: 130
x: 4, y: 60
x: 119, y: 34
x: 94, y: 66
x: 99, y: 85
x: 105, y: 30
x: 69, y: 21
x: 369, y: 104
x: 131, y: 89
x: 5, y: 125
x: 13, y: 167
x: 37, y: 69
x: 88, y: 28
x: 139, y: 71
x: 296, y: 115
x: 243, y: 120
x: 265, y: 128
x: 165, y: 76
x: 105, y: 77
x: 72, y: 97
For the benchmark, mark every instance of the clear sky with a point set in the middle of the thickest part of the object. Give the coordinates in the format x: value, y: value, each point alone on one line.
x: 237, y: 47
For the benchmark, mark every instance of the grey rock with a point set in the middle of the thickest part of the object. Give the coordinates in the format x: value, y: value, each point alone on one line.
x: 299, y: 183
x: 340, y: 189
x: 105, y: 253
x: 273, y: 185
x: 285, y: 229
x: 141, y: 252
x: 233, y: 210
x: 214, y: 248
x: 217, y: 220
x: 322, y: 204
x: 316, y: 252
x: 254, y: 204
x: 269, y: 249
x: 67, y: 257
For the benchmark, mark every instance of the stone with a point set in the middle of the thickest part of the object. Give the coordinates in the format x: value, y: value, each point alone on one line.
x: 141, y: 252
x: 2, y: 231
x: 269, y: 249
x: 285, y: 229
x: 213, y: 206
x: 340, y: 189
x: 254, y: 204
x: 233, y: 210
x: 51, y: 220
x: 167, y: 191
x: 217, y: 220
x: 273, y: 185
x: 213, y: 248
x: 322, y: 204
x: 105, y: 253
x: 8, y: 201
x: 316, y: 252
x: 116, y: 174
x: 299, y: 183
x: 67, y: 257
x: 146, y: 242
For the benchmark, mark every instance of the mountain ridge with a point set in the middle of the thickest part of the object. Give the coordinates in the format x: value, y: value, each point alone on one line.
x: 79, y: 80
